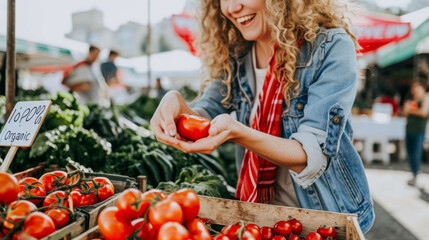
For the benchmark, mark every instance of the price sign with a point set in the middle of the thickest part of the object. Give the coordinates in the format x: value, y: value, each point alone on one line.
x: 24, y: 123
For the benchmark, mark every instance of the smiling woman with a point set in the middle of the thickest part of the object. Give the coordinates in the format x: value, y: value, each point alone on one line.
x: 288, y: 70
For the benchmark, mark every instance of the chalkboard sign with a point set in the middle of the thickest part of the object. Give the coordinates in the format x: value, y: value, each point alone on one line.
x: 23, y: 123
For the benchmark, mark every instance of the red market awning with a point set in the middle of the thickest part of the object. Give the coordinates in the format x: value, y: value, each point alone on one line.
x: 375, y: 31
x: 186, y: 28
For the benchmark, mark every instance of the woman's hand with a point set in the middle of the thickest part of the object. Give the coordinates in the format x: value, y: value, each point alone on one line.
x: 222, y: 129
x: 163, y: 121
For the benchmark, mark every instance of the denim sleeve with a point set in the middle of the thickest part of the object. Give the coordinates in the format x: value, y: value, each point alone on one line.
x: 209, y: 104
x: 330, y: 98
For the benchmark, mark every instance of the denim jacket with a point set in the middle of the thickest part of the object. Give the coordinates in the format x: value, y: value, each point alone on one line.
x: 318, y: 117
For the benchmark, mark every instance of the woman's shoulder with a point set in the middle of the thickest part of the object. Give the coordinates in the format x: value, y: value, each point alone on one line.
x: 328, y: 35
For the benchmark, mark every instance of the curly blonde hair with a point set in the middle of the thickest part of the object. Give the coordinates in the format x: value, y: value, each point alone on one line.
x: 290, y: 21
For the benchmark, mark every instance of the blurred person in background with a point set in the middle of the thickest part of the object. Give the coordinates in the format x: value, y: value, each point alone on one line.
x: 160, y: 90
x: 416, y: 110
x: 109, y: 69
x: 288, y: 69
x: 83, y: 80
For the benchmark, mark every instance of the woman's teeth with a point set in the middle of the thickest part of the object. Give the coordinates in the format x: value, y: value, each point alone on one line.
x: 244, y: 19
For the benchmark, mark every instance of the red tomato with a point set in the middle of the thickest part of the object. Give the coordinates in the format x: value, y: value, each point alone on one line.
x: 278, y: 237
x: 31, y: 187
x: 60, y: 217
x: 22, y: 236
x: 266, y: 233
x: 18, y: 211
x: 283, y: 228
x: 88, y: 199
x: 151, y: 194
x: 198, y: 230
x: 192, y: 127
x: 173, y: 231
x: 327, y: 232
x: 246, y: 235
x: 38, y: 225
x: 131, y: 204
x: 294, y: 237
x: 313, y: 236
x: 112, y: 227
x: 104, y: 188
x: 53, y: 180
x: 205, y: 221
x: 254, y: 230
x: 296, y: 226
x: 165, y: 211
x: 76, y: 197
x: 221, y: 237
x: 231, y: 231
x: 55, y: 198
x: 144, y: 229
x: 188, y: 201
x: 9, y: 188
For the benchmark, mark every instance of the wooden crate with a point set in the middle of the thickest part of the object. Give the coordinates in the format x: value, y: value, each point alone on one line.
x: 90, y: 234
x: 86, y: 216
x: 226, y: 212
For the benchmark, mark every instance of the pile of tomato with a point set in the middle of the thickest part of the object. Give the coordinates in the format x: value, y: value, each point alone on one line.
x: 35, y: 208
x: 282, y: 230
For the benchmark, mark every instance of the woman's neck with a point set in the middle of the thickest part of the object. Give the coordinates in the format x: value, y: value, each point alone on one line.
x: 264, y: 51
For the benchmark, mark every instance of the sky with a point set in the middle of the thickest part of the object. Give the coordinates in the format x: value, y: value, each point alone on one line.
x: 51, y: 19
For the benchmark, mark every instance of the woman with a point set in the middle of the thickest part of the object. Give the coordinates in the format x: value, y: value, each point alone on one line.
x: 416, y: 111
x: 288, y: 70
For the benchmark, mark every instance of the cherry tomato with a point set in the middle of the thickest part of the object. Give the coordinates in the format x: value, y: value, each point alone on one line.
x: 283, y: 228
x: 188, y: 201
x: 173, y: 230
x: 18, y: 210
x: 38, y: 225
x: 266, y: 233
x: 88, y: 199
x: 221, y: 237
x: 112, y: 227
x: 76, y: 197
x: 313, y: 236
x: 254, y: 230
x: 246, y: 235
x: 54, y: 199
x: 144, y: 229
x: 296, y: 226
x: 8, y: 188
x: 278, y: 237
x: 131, y: 204
x: 165, y: 211
x: 198, y: 230
x: 231, y: 231
x: 104, y: 188
x: 294, y: 237
x: 192, y: 127
x: 60, y: 217
x: 31, y: 187
x: 327, y: 232
x: 53, y: 180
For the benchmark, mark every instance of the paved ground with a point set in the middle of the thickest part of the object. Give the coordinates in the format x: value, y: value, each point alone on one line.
x: 402, y: 211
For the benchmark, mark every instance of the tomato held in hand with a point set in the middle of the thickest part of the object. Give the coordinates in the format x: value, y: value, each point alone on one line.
x: 283, y: 228
x: 296, y: 226
x: 192, y: 127
x: 8, y: 188
x: 31, y: 187
x: 327, y: 232
x: 198, y: 230
x: 165, y: 211
x: 173, y: 230
x: 313, y: 236
x: 188, y: 201
x: 112, y: 227
x: 266, y: 233
x: 53, y: 180
x: 38, y: 225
